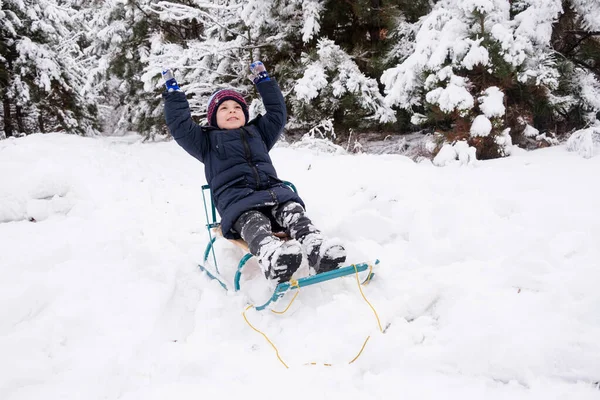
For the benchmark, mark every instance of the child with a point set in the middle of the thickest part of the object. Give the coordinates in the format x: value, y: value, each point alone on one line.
x: 248, y: 195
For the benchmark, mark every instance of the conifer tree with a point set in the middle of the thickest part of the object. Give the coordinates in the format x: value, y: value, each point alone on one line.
x: 137, y: 38
x: 479, y: 70
x: 288, y: 36
x: 333, y: 87
x: 7, y: 39
x: 576, y: 39
x: 121, y: 30
x: 205, y: 43
x: 473, y: 70
x: 209, y: 44
x: 328, y: 54
x: 41, y: 69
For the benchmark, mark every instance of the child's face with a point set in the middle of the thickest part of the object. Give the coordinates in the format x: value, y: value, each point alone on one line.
x: 230, y: 115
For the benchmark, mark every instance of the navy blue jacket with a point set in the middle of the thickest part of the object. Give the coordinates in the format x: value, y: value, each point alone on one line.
x: 236, y: 161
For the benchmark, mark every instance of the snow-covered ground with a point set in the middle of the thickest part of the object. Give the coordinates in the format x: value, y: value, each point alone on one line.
x: 488, y: 283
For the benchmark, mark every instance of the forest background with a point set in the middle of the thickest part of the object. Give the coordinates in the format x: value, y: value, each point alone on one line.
x: 491, y: 73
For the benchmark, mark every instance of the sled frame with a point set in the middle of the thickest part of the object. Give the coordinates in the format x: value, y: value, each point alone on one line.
x: 213, y: 226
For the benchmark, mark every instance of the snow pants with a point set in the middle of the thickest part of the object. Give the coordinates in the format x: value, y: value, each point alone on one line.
x: 254, y: 225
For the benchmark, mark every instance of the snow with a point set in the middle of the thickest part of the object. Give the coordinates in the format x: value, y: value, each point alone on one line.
x: 481, y: 126
x: 458, y: 153
x: 477, y: 55
x: 454, y: 96
x: 530, y: 131
x: 535, y: 22
x: 487, y: 286
x: 589, y: 12
x: 345, y: 78
x: 585, y: 142
x: 312, y: 14
x: 314, y: 79
x: 504, y: 140
x: 492, y: 102
x: 589, y: 89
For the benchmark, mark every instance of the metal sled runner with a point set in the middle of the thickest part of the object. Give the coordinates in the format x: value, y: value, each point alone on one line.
x: 213, y: 227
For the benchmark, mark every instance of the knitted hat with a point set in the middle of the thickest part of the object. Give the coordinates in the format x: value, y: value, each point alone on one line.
x: 218, y: 98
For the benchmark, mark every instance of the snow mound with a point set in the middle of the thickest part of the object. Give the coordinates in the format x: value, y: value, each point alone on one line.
x: 458, y: 153
x: 487, y: 286
x: 585, y: 142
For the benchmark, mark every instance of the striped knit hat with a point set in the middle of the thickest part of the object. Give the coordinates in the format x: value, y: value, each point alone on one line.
x: 218, y: 98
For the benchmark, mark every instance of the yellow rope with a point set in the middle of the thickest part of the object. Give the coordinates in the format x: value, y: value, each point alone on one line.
x: 289, y: 305
x: 324, y: 364
x: 265, y: 336
x: 365, y: 297
x: 294, y: 283
x: 361, y: 350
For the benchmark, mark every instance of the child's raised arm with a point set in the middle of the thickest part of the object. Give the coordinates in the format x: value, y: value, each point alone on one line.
x: 179, y: 119
x: 272, y: 123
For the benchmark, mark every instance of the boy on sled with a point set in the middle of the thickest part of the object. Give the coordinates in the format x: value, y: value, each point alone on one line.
x: 251, y: 200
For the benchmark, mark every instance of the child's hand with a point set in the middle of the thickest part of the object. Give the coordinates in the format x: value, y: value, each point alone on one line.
x: 170, y: 81
x: 258, y: 72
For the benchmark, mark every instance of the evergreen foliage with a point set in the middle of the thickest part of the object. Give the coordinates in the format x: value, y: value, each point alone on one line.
x: 488, y: 72
x: 465, y: 49
x: 42, y: 69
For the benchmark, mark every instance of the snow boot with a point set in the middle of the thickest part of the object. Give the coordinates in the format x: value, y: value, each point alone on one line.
x: 332, y: 256
x: 323, y: 254
x: 279, y: 259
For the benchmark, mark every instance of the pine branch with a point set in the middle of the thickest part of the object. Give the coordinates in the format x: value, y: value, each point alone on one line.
x: 584, y: 65
x: 181, y: 12
x: 208, y: 5
x: 141, y: 10
x: 576, y: 44
x: 583, y: 32
x: 212, y: 70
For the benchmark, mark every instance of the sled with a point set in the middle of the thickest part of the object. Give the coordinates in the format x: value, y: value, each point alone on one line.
x: 214, y: 233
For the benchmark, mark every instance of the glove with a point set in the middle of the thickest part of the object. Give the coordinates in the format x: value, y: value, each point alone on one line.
x: 170, y: 81
x: 258, y: 72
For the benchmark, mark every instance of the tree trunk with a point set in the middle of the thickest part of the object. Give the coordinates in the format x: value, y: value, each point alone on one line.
x: 19, y: 117
x: 41, y: 123
x: 8, y: 123
x: 375, y: 23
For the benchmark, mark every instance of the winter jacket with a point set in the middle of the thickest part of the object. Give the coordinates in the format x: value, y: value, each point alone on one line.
x: 236, y: 161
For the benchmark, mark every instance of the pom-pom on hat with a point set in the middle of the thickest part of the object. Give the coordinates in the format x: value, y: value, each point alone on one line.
x: 218, y: 98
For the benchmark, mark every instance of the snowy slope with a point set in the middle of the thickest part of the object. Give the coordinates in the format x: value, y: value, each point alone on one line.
x: 488, y: 282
